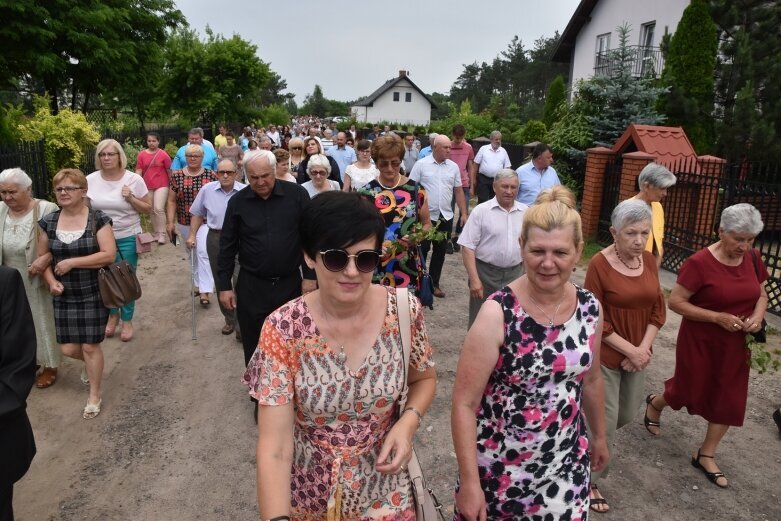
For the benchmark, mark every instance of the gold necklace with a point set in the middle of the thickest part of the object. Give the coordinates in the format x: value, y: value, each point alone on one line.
x: 639, y: 259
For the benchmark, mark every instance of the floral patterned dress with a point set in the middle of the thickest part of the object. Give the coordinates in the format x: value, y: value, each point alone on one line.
x: 342, y: 416
x: 532, y: 449
x: 399, y: 209
x: 186, y: 188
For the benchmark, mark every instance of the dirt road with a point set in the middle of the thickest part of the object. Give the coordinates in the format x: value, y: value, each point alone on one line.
x: 175, y: 439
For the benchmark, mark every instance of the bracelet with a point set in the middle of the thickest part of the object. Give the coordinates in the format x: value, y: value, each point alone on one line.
x: 417, y: 412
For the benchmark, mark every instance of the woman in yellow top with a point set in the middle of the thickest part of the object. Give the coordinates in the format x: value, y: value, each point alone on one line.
x: 653, y: 181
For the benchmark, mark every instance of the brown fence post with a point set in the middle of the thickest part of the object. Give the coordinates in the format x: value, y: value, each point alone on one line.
x: 596, y: 161
x: 633, y: 163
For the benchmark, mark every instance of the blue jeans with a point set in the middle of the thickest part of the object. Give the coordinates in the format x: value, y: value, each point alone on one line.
x: 127, y: 247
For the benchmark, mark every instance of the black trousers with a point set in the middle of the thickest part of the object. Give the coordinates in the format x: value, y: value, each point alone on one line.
x: 439, y: 247
x: 256, y: 298
x: 485, y: 188
x: 17, y: 449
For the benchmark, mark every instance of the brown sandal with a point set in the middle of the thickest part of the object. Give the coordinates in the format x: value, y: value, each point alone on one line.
x: 47, y: 377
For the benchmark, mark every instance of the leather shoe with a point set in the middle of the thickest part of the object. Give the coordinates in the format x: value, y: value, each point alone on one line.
x: 777, y: 419
x: 456, y: 247
x: 238, y: 335
x: 449, y: 248
x: 227, y: 329
x: 439, y: 293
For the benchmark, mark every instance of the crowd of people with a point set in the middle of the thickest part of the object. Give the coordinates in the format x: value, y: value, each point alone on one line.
x: 316, y: 262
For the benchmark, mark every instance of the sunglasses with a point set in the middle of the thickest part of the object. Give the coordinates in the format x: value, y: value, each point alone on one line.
x: 336, y: 260
x: 296, y: 148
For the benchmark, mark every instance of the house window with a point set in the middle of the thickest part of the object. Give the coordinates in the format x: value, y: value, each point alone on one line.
x: 395, y: 96
x: 408, y: 97
x: 647, y: 54
x: 602, y: 59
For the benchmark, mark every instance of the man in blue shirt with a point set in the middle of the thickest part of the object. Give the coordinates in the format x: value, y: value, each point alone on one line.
x: 426, y: 151
x: 343, y: 155
x: 195, y: 137
x: 536, y: 175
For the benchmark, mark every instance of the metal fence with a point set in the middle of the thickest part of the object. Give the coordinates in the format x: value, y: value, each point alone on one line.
x: 29, y: 156
x: 644, y: 62
x: 166, y: 134
x: 693, y: 210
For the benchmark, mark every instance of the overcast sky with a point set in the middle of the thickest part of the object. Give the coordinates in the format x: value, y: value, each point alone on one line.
x: 351, y: 48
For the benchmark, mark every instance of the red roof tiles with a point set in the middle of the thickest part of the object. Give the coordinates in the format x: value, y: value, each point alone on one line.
x: 668, y: 144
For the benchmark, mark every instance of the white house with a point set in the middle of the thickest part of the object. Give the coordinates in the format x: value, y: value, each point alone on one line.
x: 591, y: 33
x: 398, y: 100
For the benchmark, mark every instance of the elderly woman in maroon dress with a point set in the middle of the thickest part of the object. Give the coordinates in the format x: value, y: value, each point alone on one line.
x: 721, y: 295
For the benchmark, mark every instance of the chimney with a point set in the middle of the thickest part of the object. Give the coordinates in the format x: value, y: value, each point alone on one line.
x: 403, y: 73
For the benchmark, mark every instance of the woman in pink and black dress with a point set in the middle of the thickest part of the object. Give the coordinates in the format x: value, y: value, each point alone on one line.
x: 721, y: 295
x: 154, y: 165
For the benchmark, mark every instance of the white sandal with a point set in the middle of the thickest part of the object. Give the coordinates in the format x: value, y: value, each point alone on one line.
x: 92, y: 410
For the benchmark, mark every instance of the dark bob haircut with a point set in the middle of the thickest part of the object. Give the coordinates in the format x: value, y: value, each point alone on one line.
x: 338, y: 220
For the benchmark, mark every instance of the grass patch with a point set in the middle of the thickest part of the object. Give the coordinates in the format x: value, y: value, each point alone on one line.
x: 590, y: 249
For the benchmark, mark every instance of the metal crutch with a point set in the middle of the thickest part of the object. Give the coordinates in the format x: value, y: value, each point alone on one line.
x: 192, y: 287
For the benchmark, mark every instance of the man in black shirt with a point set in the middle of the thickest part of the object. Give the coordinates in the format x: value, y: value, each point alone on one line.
x: 17, y: 374
x: 261, y: 225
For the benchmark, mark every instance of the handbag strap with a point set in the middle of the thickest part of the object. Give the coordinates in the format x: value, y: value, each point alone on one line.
x: 154, y: 158
x: 405, y: 328
x: 753, y: 252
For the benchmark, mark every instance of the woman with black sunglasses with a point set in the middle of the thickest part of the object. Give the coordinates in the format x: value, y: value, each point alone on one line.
x: 328, y: 373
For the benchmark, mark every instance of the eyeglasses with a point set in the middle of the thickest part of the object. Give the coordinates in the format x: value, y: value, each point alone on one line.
x: 108, y: 154
x: 225, y: 172
x: 69, y: 189
x: 193, y: 156
x: 382, y: 163
x: 337, y: 260
x: 315, y: 173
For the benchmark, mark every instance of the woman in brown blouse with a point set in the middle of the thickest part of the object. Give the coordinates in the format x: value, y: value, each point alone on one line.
x: 625, y: 279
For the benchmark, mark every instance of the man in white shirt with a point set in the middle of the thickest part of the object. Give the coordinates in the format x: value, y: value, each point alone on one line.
x: 489, y: 160
x: 273, y: 135
x: 327, y: 142
x: 536, y: 175
x: 490, y: 244
x: 209, y: 208
x: 442, y: 180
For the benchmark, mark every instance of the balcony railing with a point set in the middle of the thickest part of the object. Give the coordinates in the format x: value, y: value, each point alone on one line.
x: 645, y: 62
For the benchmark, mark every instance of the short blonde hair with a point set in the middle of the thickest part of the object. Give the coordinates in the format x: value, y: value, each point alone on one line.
x: 554, y: 208
x: 193, y: 149
x: 73, y: 175
x: 103, y: 145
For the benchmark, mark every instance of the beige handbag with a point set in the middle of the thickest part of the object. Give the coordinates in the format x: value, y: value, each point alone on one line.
x: 427, y: 507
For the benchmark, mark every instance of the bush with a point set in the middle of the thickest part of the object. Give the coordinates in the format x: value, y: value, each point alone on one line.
x: 132, y: 147
x: 276, y: 114
x: 171, y: 148
x: 66, y: 135
x: 533, y: 130
x: 476, y: 125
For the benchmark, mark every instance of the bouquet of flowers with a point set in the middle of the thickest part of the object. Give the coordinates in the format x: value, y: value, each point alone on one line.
x: 417, y: 234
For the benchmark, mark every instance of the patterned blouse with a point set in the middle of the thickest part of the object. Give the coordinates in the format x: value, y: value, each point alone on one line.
x: 342, y: 417
x: 186, y: 188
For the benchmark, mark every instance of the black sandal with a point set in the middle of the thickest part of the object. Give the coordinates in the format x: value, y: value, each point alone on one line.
x: 646, y: 420
x: 713, y: 477
x: 598, y: 502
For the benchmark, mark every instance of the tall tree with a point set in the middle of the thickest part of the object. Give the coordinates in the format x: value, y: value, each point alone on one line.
x: 689, y: 67
x: 621, y: 98
x: 748, y: 79
x: 557, y: 95
x: 214, y: 80
x: 315, y: 103
x: 79, y: 48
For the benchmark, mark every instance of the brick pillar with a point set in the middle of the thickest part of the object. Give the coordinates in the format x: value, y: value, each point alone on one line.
x: 596, y: 160
x: 633, y: 163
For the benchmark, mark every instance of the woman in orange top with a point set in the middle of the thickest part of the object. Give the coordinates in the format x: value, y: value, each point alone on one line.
x: 625, y: 279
